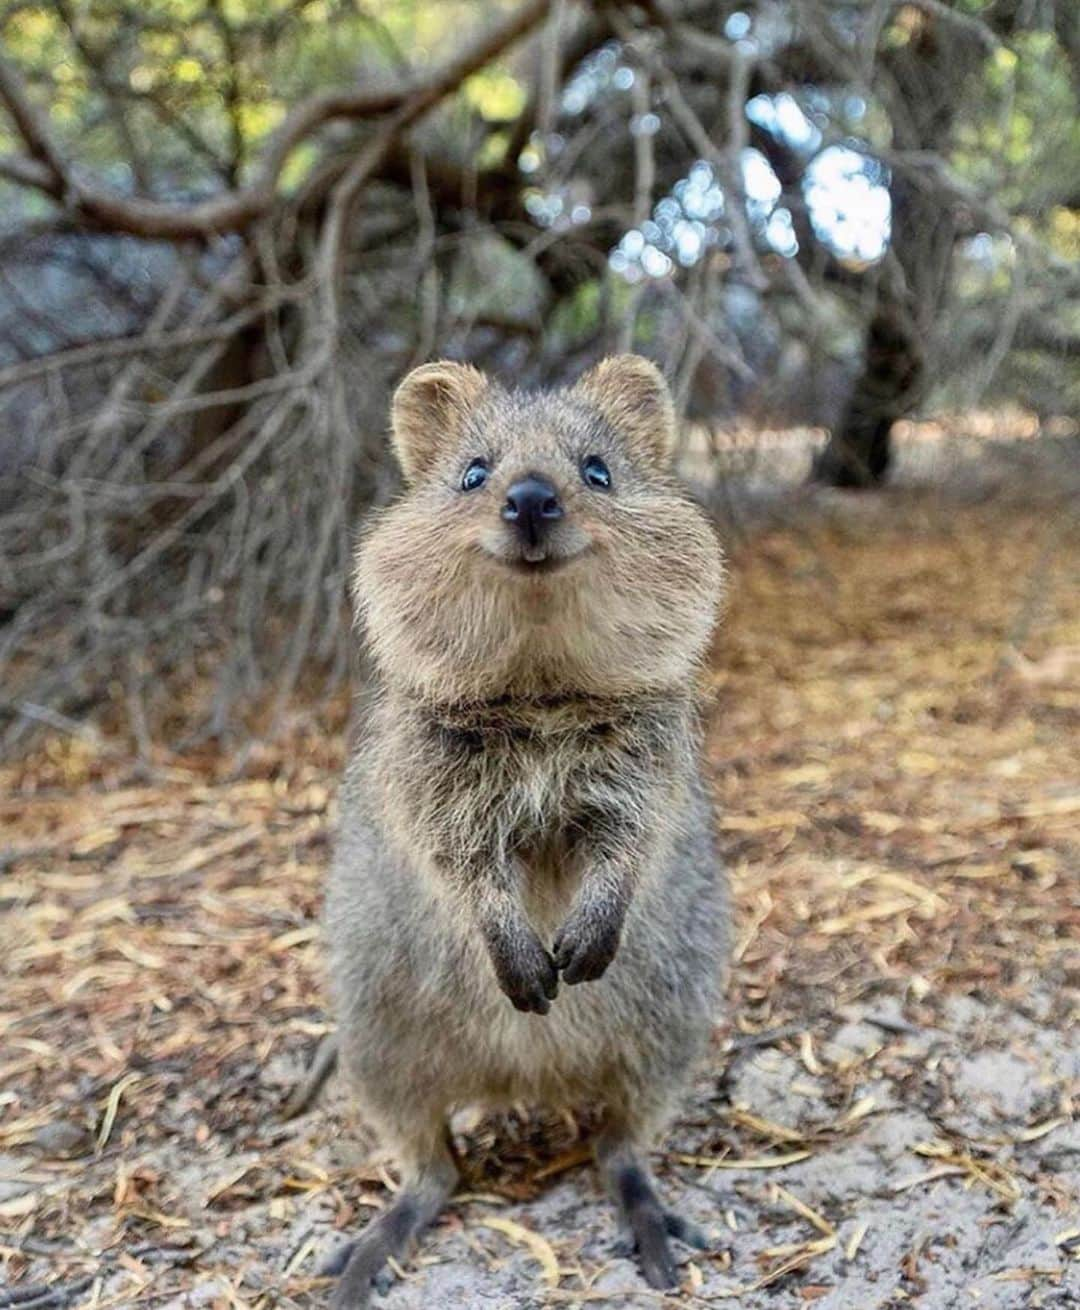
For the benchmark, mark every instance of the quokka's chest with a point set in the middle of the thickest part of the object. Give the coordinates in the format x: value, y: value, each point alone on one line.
x: 463, y: 785
x: 538, y: 784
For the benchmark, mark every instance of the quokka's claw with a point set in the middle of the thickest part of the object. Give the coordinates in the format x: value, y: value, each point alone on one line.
x: 584, y: 948
x: 686, y: 1231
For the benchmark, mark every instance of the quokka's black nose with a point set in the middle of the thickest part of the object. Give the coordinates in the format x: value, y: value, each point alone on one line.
x: 532, y: 506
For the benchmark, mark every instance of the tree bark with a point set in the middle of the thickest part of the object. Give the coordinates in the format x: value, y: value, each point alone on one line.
x: 894, y: 372
x: 858, y: 453
x: 929, y: 73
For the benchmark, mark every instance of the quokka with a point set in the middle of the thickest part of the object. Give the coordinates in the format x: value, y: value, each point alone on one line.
x: 526, y: 902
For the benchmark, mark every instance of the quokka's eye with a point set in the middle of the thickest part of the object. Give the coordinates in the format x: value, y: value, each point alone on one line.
x: 475, y: 475
x: 595, y: 473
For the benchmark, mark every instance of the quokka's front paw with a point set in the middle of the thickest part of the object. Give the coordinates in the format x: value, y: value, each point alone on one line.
x: 586, y: 943
x: 525, y: 970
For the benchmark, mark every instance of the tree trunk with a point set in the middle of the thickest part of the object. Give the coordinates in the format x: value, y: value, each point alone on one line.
x: 859, y: 451
x: 929, y: 73
x: 910, y: 290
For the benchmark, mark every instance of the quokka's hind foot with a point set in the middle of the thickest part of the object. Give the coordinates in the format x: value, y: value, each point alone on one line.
x: 647, y: 1224
x: 364, y: 1264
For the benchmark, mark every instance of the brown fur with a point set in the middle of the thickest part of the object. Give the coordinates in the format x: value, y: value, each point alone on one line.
x: 525, y: 806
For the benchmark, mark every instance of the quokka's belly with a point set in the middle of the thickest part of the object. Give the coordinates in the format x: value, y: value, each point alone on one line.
x: 599, y: 1040
x: 417, y: 992
x: 571, y: 1055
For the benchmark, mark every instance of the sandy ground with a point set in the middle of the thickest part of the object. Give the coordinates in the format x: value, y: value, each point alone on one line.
x: 889, y: 1115
x: 943, y: 1174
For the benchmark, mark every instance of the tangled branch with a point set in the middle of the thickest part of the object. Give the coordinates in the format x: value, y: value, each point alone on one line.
x: 45, y: 168
x: 176, y: 524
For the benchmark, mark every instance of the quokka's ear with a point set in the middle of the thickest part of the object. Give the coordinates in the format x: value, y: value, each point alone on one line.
x: 630, y: 392
x: 429, y: 408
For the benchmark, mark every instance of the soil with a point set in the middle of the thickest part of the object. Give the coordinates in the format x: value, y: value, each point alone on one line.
x: 888, y: 1117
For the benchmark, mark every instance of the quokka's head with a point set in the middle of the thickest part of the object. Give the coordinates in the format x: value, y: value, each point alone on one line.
x: 542, y: 544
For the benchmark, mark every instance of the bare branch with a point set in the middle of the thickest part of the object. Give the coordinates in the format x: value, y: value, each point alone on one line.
x: 644, y: 182
x: 27, y: 172
x: 31, y: 125
x: 968, y: 23
x: 236, y: 210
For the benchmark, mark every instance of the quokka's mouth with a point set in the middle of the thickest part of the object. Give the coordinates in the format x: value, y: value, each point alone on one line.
x: 514, y: 560
x: 546, y: 564
x: 543, y: 567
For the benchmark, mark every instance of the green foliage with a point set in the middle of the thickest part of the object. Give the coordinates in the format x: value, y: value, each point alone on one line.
x: 181, y: 93
x: 1020, y: 135
x: 494, y: 280
x: 577, y: 316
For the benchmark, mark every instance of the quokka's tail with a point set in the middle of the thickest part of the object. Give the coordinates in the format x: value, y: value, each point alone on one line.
x: 304, y: 1093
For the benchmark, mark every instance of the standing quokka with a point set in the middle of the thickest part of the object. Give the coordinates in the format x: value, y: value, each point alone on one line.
x: 525, y: 805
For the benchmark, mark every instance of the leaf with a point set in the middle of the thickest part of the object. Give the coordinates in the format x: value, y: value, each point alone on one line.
x: 539, y: 1248
x: 749, y: 1162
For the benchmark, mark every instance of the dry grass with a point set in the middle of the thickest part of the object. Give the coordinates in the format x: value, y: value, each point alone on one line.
x: 898, y: 777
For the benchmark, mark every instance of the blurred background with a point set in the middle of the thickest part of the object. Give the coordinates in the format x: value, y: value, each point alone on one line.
x: 849, y: 232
